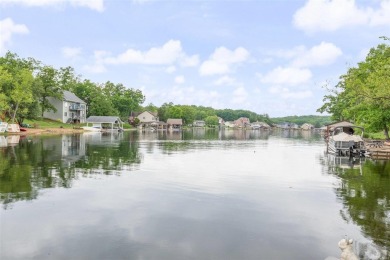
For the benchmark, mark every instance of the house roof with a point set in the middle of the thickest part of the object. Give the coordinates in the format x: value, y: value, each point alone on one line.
x: 136, y: 114
x: 69, y: 96
x: 104, y: 119
x: 174, y: 121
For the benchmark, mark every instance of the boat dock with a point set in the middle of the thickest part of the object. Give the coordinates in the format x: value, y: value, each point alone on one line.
x: 378, y: 150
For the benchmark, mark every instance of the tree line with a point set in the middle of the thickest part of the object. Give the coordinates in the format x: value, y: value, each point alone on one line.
x: 26, y: 85
x: 363, y: 93
x: 316, y: 121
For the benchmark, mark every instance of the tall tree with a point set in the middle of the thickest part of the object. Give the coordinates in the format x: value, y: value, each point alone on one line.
x: 48, y: 86
x: 16, y: 84
x: 363, y: 93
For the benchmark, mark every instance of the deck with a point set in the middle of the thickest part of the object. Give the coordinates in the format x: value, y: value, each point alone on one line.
x: 378, y: 150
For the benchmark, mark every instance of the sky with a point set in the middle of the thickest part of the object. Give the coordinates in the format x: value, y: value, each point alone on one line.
x: 271, y: 57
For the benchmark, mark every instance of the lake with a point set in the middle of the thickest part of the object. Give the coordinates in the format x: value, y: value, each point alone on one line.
x: 194, y: 194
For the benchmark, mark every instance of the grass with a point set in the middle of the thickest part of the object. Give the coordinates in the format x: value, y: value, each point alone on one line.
x: 378, y: 136
x: 47, y: 123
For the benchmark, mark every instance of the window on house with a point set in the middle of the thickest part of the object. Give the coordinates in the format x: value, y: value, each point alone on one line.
x: 65, y: 114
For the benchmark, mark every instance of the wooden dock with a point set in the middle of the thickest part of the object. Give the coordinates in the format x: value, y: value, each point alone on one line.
x: 378, y: 150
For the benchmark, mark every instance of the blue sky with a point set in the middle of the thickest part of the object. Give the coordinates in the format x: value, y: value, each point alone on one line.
x: 269, y: 57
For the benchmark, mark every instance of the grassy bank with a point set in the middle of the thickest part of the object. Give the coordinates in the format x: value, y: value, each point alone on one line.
x: 47, y: 123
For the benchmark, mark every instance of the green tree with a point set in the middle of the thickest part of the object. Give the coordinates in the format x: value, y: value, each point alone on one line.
x: 48, y: 86
x: 211, y: 121
x: 16, y: 85
x: 363, y: 93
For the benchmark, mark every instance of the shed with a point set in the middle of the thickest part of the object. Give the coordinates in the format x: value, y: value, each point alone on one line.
x: 105, y: 122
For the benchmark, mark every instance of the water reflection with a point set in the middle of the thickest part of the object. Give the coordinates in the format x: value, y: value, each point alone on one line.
x: 195, y: 194
x: 55, y: 161
x: 364, y: 190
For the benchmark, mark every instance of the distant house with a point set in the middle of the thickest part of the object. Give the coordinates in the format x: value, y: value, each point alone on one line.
x: 229, y: 124
x: 71, y: 109
x: 242, y: 122
x: 260, y: 125
x: 307, y: 126
x: 221, y: 122
x: 175, y: 123
x: 199, y: 123
x: 145, y: 118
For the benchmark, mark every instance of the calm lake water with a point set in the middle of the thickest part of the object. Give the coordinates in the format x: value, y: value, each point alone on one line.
x: 191, y: 195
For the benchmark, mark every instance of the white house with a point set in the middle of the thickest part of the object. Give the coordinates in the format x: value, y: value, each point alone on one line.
x: 71, y: 109
x: 307, y: 126
x: 148, y: 117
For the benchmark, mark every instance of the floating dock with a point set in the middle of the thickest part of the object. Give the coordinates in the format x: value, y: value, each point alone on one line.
x: 378, y: 150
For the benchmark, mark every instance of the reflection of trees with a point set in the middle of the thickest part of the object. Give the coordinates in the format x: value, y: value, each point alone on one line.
x: 101, y: 157
x: 365, y: 194
x: 50, y: 162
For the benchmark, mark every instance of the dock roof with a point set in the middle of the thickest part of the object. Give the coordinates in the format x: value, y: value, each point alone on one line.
x: 104, y: 119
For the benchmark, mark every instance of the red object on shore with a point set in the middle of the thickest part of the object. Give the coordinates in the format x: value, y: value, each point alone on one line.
x: 22, y: 129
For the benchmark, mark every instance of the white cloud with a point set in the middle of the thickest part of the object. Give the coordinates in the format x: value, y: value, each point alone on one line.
x: 185, y: 95
x: 71, y: 52
x: 225, y: 81
x: 221, y: 60
x: 285, y: 93
x: 289, y: 76
x: 170, y: 69
x: 191, y: 61
x: 179, y: 80
x: 331, y: 15
x: 239, y: 95
x: 98, y: 67
x: 167, y: 54
x: 7, y: 29
x: 97, y: 5
x: 320, y: 55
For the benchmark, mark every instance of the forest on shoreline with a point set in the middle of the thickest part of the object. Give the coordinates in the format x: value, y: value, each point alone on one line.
x: 26, y: 84
x: 361, y: 96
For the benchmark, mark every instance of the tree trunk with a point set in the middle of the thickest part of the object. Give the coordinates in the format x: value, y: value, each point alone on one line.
x: 386, y: 131
x: 14, y: 115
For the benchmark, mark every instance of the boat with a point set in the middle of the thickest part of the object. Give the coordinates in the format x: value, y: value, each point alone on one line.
x: 91, y: 129
x: 13, y: 128
x: 346, y: 140
x: 3, y: 127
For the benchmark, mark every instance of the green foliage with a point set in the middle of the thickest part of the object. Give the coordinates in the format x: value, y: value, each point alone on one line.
x: 27, y: 84
x: 211, y: 121
x: 317, y: 121
x: 363, y: 93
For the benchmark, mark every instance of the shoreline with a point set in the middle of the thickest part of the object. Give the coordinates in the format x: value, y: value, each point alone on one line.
x: 49, y: 131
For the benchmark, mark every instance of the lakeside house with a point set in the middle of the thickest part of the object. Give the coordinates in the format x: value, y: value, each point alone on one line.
x: 146, y: 119
x: 242, y: 122
x: 229, y: 124
x: 71, y: 109
x: 307, y: 126
x: 175, y: 123
x: 260, y: 125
